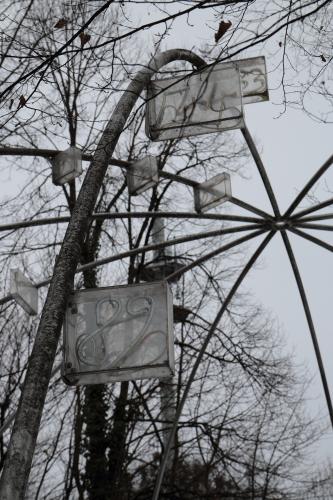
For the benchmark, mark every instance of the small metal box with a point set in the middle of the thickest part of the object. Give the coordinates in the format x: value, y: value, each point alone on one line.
x: 213, y: 192
x: 208, y: 101
x: 119, y: 333
x: 66, y: 166
x: 24, y: 292
x: 205, y: 102
x: 142, y: 175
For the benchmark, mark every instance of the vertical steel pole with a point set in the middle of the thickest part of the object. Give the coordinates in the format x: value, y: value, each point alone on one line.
x: 310, y: 322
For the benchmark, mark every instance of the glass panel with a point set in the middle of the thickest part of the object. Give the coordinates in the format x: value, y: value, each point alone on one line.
x: 119, y: 333
x: 66, y: 165
x: 213, y: 192
x: 203, y: 103
x: 24, y: 292
x: 253, y: 76
x: 253, y: 88
x: 142, y: 175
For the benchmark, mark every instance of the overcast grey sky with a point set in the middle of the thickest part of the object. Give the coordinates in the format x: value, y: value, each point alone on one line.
x: 294, y: 147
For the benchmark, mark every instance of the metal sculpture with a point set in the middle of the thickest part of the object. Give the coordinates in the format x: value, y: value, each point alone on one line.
x: 255, y: 226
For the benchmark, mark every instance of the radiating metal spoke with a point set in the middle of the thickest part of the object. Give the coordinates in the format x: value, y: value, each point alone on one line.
x: 251, y: 208
x: 316, y: 218
x: 50, y: 153
x: 212, y: 254
x: 31, y: 223
x: 308, y: 186
x: 176, y: 215
x: 312, y: 209
x: 230, y: 295
x: 129, y: 215
x: 311, y: 238
x: 255, y: 154
x: 147, y: 248
x: 321, y: 227
x: 309, y: 320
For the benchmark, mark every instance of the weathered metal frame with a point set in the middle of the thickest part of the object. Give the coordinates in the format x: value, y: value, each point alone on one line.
x: 257, y: 227
x: 177, y: 274
x: 147, y: 248
x: 14, y: 226
x: 277, y: 224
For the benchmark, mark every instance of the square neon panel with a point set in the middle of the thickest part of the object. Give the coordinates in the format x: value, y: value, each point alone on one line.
x: 205, y: 102
x: 119, y: 333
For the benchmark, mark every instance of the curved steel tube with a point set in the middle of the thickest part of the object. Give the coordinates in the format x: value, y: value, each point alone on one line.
x: 20, y: 451
x: 309, y: 320
x: 308, y: 186
x: 128, y: 215
x: 312, y: 209
x: 252, y: 147
x: 230, y: 295
x: 311, y: 238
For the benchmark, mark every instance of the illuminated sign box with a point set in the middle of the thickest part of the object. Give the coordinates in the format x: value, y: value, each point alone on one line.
x: 66, y: 166
x: 142, y: 175
x: 213, y: 192
x: 24, y: 292
x: 207, y: 101
x: 119, y: 333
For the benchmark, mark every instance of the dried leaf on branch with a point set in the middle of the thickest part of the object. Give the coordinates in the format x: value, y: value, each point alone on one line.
x: 223, y: 28
x: 322, y: 58
x: 11, y: 103
x: 84, y: 39
x: 22, y: 102
x: 61, y: 23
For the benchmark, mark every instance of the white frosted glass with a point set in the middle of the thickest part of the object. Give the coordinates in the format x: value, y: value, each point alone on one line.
x: 66, y: 165
x: 142, y: 175
x: 119, y: 333
x: 209, y: 101
x: 253, y: 76
x: 206, y: 102
x: 213, y: 192
x: 24, y: 292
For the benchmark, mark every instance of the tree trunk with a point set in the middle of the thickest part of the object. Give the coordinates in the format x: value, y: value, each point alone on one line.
x: 117, y: 441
